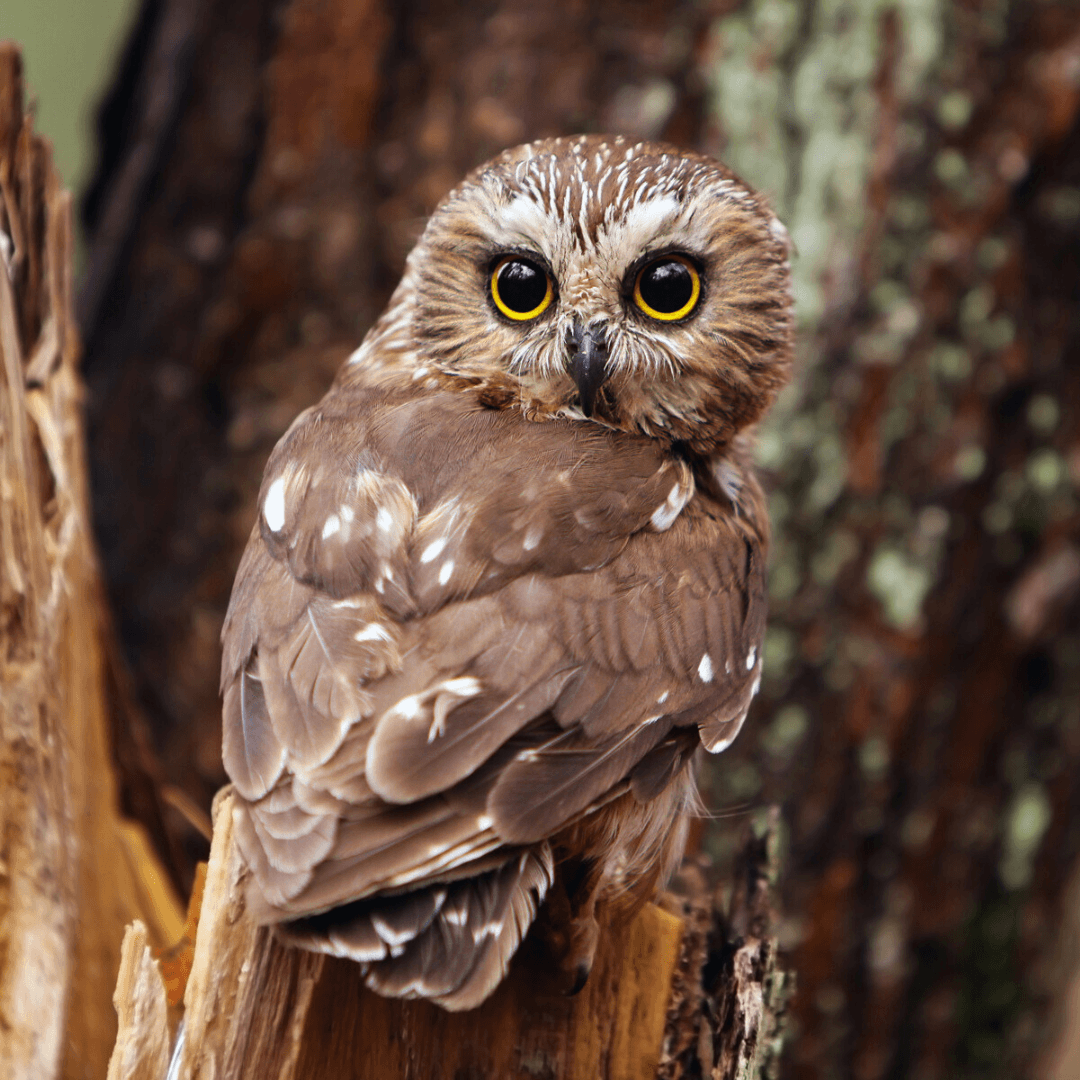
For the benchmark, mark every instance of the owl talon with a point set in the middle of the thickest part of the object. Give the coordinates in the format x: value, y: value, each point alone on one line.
x: 581, y: 977
x: 578, y: 961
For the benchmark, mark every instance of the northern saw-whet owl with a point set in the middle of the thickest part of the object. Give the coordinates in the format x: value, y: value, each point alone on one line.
x: 509, y: 573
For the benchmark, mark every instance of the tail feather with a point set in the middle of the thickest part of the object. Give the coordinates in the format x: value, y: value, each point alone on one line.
x: 450, y: 943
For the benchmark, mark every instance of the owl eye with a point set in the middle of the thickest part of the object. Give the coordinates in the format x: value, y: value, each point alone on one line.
x: 668, y: 288
x: 521, y: 289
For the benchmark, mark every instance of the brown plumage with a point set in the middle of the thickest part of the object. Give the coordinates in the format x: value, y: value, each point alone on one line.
x: 510, y: 572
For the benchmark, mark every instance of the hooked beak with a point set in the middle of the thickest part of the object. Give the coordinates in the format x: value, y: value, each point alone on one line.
x: 588, y: 362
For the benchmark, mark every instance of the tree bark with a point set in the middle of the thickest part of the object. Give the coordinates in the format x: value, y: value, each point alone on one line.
x: 73, y: 870
x: 691, y: 991
x: 267, y: 166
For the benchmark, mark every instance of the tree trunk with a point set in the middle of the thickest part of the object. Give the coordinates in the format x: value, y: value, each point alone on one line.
x: 268, y: 164
x: 694, y: 991
x: 72, y: 870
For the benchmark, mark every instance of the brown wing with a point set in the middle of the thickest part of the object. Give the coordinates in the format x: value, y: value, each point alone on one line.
x: 452, y: 633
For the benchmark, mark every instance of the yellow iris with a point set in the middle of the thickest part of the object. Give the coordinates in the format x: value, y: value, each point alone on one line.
x: 515, y: 294
x: 669, y: 295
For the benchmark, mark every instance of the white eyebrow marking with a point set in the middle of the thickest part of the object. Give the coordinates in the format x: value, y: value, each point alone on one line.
x: 274, y: 505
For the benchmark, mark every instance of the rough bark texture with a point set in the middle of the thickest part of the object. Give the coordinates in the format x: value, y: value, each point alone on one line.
x: 691, y: 991
x: 267, y: 166
x: 72, y: 871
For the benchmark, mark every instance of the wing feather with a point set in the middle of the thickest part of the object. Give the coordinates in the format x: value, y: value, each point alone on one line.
x: 253, y: 754
x: 543, y: 789
x: 455, y: 634
x: 416, y: 753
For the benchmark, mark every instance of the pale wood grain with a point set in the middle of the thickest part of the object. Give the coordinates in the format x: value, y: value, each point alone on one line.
x: 73, y: 872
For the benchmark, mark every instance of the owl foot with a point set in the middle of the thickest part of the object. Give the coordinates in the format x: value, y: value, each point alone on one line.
x: 578, y: 960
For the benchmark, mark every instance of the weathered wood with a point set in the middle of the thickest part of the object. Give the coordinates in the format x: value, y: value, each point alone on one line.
x: 72, y: 871
x: 142, y: 1037
x: 255, y: 1008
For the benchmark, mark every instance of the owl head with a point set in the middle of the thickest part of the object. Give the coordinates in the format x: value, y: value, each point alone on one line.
x: 627, y: 284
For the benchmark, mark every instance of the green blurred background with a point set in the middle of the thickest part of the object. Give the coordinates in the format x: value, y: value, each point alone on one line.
x: 69, y: 49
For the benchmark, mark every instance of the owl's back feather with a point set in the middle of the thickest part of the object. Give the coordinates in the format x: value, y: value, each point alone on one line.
x: 411, y: 759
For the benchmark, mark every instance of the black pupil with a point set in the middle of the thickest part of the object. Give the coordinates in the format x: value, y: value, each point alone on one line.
x: 666, y: 286
x: 522, y: 285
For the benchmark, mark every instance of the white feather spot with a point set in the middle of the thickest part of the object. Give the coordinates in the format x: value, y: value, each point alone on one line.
x: 372, y: 632
x: 663, y: 697
x: 489, y: 929
x: 357, y: 355
x: 392, y: 937
x: 397, y: 950
x: 651, y: 719
x: 720, y: 745
x: 484, y: 821
x: 532, y: 537
x: 409, y: 707
x: 751, y: 658
x: 665, y: 514
x: 756, y: 687
x: 346, y: 513
x: 433, y: 550
x: 705, y: 668
x: 274, y: 505
x: 384, y: 519
x: 456, y: 916
x: 445, y: 571
x: 464, y: 686
x: 331, y: 527
x: 373, y: 952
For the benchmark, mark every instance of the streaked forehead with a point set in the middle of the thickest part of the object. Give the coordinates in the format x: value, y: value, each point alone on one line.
x: 592, y: 195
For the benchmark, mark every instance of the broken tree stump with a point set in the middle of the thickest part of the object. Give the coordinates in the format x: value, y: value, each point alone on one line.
x: 683, y: 990
x: 73, y: 871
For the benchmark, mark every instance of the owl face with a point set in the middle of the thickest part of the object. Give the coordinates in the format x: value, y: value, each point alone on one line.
x: 626, y: 284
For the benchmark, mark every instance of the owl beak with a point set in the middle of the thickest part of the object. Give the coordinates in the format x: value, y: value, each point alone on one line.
x: 588, y: 362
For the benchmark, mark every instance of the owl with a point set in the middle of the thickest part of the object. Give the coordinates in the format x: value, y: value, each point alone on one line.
x: 509, y: 574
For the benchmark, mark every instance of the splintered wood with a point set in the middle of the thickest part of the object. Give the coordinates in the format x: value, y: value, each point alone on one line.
x: 72, y: 872
x: 693, y: 993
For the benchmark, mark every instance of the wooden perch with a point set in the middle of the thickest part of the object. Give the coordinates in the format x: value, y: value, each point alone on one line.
x: 72, y: 871
x: 695, y: 993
